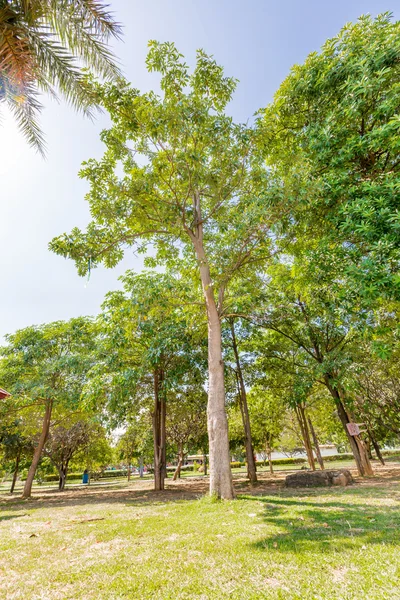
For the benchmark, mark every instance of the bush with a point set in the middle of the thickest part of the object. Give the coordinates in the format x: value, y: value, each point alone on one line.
x: 183, y: 468
x: 56, y: 477
x: 97, y: 475
x: 333, y: 457
x: 114, y: 473
x: 283, y: 461
x: 236, y: 464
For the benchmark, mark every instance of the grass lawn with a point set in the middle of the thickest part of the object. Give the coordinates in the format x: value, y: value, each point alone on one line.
x: 128, y: 542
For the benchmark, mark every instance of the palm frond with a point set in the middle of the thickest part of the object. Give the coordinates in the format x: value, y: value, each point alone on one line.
x: 43, y: 45
x: 25, y: 110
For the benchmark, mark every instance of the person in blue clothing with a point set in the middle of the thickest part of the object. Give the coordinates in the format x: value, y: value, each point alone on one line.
x: 85, y: 477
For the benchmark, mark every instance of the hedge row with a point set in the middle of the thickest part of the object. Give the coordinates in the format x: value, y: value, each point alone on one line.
x: 70, y: 476
x: 333, y: 457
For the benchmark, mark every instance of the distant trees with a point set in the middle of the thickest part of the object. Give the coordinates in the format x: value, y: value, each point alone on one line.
x: 15, y: 446
x: 186, y: 421
x: 46, y: 366
x: 267, y: 415
x: 65, y: 441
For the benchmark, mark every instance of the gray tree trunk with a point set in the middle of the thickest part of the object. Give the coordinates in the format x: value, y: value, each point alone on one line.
x: 221, y: 484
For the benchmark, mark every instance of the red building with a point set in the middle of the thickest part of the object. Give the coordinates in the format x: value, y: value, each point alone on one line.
x: 3, y: 394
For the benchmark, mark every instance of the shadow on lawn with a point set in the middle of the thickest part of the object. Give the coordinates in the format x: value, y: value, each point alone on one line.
x: 8, y: 517
x: 126, y: 496
x: 318, y: 526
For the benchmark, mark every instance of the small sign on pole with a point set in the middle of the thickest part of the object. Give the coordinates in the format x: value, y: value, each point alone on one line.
x: 353, y: 428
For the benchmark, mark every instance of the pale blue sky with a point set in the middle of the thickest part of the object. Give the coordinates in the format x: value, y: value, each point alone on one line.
x: 256, y: 40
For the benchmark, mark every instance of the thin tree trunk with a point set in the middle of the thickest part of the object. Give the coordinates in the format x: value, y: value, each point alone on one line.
x: 163, y: 436
x: 251, y: 465
x: 61, y: 481
x: 180, y: 463
x: 129, y: 471
x: 205, y: 464
x: 316, y: 445
x: 141, y: 467
x: 63, y: 476
x: 376, y: 447
x: 157, y: 432
x: 367, y: 443
x: 269, y: 455
x: 357, y: 447
x: 38, y: 450
x: 15, y: 475
x: 221, y: 484
x: 301, y: 418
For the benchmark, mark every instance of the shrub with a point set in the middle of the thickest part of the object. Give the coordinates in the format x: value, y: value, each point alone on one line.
x: 236, y: 464
x: 333, y: 457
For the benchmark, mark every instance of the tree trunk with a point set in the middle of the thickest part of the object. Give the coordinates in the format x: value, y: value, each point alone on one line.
x: 316, y: 445
x: 376, y: 447
x: 61, y: 481
x: 251, y: 465
x: 302, y: 420
x: 180, y: 463
x: 158, y: 433
x: 205, y: 464
x: 269, y: 454
x: 163, y: 436
x: 141, y: 467
x: 357, y: 447
x: 15, y: 475
x: 221, y: 484
x: 38, y: 450
x: 129, y: 471
x: 367, y: 443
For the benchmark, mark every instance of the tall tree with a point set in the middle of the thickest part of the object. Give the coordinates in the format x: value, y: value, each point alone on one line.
x: 43, y: 44
x: 47, y: 366
x: 193, y: 192
x: 148, y: 347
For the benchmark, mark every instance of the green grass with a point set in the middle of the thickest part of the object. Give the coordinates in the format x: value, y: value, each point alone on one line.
x: 331, y: 544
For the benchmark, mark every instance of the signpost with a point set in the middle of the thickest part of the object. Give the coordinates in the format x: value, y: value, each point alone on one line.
x: 354, y: 428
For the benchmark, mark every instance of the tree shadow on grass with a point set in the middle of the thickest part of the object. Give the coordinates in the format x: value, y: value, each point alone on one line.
x: 322, y: 526
x: 8, y: 517
x: 81, y: 498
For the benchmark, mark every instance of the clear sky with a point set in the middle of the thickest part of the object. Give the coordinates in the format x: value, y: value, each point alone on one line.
x: 256, y: 40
